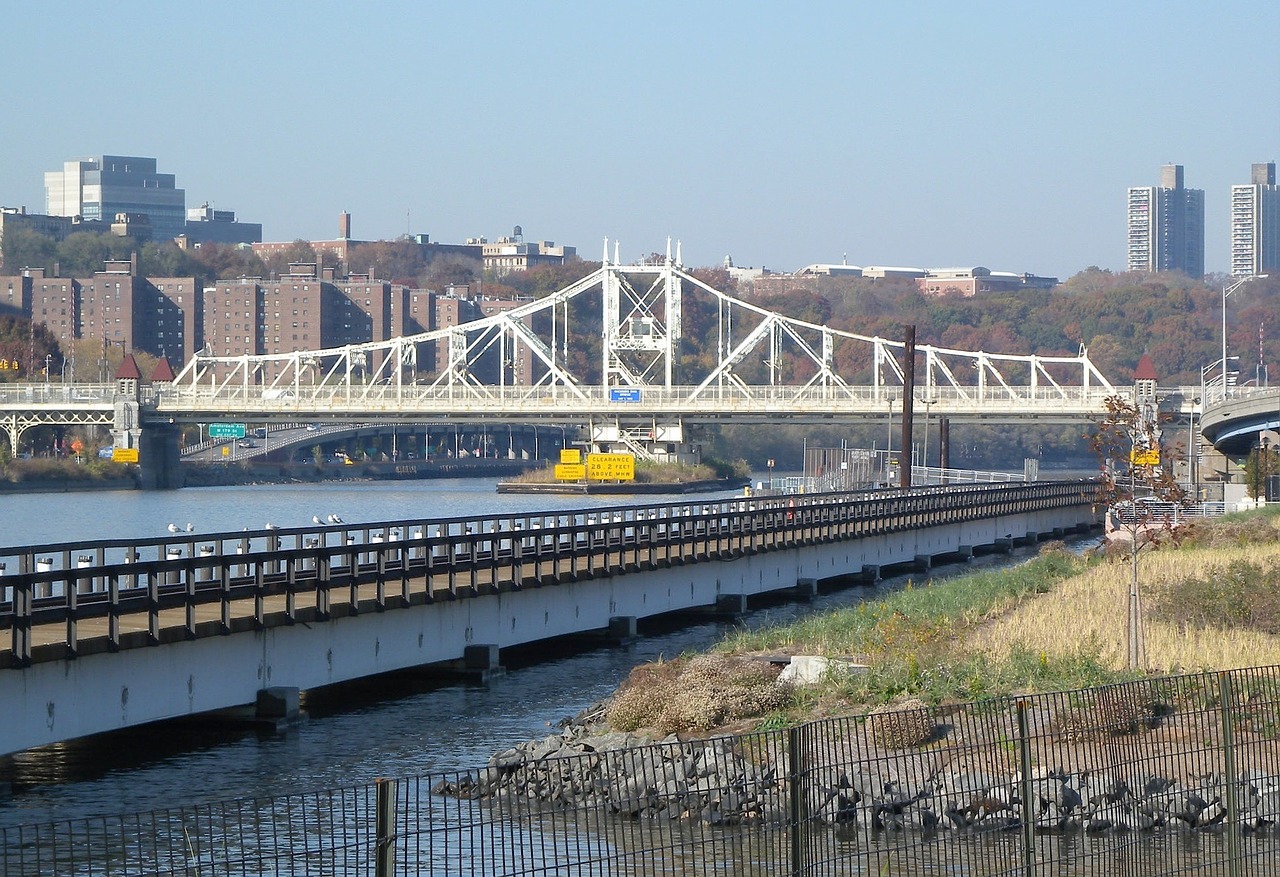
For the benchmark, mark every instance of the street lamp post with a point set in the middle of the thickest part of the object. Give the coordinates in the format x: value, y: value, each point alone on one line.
x: 1226, y: 291
x: 888, y: 447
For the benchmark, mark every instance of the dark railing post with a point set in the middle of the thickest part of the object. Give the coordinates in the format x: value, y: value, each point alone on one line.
x: 1227, y: 701
x: 799, y: 822
x: 1027, y: 791
x: 384, y: 847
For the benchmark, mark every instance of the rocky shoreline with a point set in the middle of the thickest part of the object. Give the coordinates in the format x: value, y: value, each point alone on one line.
x: 851, y: 780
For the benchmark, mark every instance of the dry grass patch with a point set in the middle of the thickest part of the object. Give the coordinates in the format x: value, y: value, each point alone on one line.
x: 1091, y: 608
x: 696, y: 694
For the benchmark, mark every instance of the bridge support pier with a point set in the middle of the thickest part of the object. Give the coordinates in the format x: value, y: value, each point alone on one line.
x: 870, y: 573
x: 621, y: 629
x: 806, y: 589
x: 965, y: 552
x: 279, y: 703
x: 481, y: 662
x: 731, y: 605
x: 922, y: 563
x: 159, y: 458
x: 1032, y: 537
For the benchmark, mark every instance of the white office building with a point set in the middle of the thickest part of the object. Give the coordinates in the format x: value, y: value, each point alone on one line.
x: 1255, y: 223
x: 102, y: 188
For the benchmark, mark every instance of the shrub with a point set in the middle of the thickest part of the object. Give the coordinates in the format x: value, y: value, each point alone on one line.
x: 903, y: 725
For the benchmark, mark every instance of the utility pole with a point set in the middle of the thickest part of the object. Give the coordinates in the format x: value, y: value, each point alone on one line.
x: 908, y: 408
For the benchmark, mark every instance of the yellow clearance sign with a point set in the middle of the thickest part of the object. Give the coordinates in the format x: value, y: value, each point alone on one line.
x: 611, y: 467
x: 570, y: 455
x: 124, y: 455
x: 570, y: 471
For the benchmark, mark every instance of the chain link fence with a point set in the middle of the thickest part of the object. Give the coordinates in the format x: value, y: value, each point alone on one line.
x: 1167, y: 776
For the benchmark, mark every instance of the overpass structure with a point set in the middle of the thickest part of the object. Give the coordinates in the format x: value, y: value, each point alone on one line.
x: 102, y: 635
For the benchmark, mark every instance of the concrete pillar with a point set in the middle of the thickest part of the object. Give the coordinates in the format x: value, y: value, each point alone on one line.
x: 277, y: 702
x: 922, y: 562
x: 731, y: 604
x: 871, y: 573
x: 1004, y: 544
x: 159, y: 458
x: 1059, y: 532
x: 1032, y: 537
x: 806, y: 589
x: 621, y: 628
x: 483, y: 656
x: 965, y: 552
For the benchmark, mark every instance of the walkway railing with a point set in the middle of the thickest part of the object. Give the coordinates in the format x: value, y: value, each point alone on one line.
x: 67, y: 599
x: 1157, y: 777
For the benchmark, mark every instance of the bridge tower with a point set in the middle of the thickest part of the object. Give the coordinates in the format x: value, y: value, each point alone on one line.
x: 641, y: 334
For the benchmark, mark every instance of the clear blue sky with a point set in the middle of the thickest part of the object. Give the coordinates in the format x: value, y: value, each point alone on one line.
x: 932, y: 134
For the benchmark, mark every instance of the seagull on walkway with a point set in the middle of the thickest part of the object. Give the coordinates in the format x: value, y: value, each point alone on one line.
x: 190, y: 527
x: 172, y: 528
x: 315, y: 519
x: 334, y: 519
x: 270, y: 526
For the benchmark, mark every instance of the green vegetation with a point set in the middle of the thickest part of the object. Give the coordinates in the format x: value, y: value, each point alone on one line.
x: 1050, y: 624
x: 913, y: 641
x: 48, y: 470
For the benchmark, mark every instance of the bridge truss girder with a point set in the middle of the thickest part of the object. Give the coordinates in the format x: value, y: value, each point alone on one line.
x: 529, y: 357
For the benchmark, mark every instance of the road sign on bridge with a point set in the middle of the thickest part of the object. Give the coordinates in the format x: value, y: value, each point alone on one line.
x: 227, y: 430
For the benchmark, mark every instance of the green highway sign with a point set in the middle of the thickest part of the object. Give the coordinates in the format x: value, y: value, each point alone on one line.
x: 227, y: 430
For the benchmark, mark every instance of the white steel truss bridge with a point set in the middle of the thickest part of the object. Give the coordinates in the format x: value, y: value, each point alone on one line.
x: 634, y: 351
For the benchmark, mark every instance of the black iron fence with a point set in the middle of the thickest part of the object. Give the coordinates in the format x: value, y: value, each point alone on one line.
x: 1158, y: 777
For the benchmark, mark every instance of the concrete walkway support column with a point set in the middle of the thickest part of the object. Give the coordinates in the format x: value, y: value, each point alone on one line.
x: 870, y: 573
x: 922, y: 563
x: 621, y: 629
x: 965, y: 552
x: 277, y: 702
x: 806, y: 589
x: 731, y: 605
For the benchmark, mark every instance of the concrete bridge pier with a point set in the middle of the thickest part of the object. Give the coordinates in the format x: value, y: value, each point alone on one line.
x: 278, y: 704
x: 965, y: 553
x: 1003, y: 544
x: 481, y: 662
x: 806, y: 589
x: 870, y: 573
x: 159, y: 458
x: 730, y: 605
x: 922, y: 563
x: 621, y: 629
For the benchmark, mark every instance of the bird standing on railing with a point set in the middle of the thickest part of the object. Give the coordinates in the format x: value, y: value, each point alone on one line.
x: 334, y: 519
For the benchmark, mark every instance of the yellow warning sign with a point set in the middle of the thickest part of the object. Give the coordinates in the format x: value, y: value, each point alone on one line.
x: 611, y: 467
x: 124, y: 455
x: 570, y: 471
x: 570, y: 455
x: 1145, y: 456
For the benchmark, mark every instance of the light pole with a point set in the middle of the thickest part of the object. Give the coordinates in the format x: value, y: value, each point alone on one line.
x: 1226, y: 291
x: 928, y: 405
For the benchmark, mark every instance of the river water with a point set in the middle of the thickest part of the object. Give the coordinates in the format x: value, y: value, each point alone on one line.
x: 382, y: 727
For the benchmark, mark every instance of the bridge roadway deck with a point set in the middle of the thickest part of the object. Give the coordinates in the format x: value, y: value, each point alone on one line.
x: 79, y: 610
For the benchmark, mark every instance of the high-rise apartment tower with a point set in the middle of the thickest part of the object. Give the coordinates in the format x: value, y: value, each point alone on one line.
x: 1255, y: 223
x: 1166, y: 226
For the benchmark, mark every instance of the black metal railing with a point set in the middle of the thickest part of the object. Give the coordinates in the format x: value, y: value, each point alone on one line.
x: 264, y: 578
x: 1157, y: 777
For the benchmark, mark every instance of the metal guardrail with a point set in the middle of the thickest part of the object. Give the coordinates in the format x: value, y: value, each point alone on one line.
x: 318, y: 573
x: 1169, y: 776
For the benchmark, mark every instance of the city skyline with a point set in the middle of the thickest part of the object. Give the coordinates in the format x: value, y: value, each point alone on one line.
x: 933, y: 135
